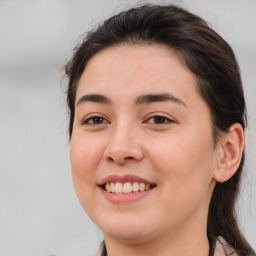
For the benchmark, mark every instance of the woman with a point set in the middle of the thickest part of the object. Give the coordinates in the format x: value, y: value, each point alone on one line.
x: 157, y: 118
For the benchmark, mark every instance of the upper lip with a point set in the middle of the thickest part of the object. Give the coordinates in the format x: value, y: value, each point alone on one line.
x: 123, y: 179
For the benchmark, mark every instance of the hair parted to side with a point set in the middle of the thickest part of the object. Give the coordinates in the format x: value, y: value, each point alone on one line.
x: 213, y: 62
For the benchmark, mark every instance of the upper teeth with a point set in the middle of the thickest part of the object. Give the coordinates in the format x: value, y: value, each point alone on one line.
x: 127, y: 187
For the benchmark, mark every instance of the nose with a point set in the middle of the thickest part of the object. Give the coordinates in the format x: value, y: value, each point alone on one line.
x: 123, y: 146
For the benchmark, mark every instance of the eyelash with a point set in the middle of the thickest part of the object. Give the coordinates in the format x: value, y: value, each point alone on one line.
x: 93, y: 117
x: 166, y: 119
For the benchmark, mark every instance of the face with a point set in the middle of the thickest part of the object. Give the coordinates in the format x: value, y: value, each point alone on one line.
x: 142, y: 151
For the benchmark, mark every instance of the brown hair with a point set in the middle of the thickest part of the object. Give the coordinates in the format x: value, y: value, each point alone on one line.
x: 213, y: 62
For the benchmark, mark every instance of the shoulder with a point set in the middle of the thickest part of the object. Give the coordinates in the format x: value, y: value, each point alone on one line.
x: 102, y: 250
x: 222, y: 248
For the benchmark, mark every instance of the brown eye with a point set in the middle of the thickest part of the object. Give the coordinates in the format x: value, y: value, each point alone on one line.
x: 159, y: 120
x: 95, y: 120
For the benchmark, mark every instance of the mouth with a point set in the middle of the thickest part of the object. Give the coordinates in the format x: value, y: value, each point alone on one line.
x: 126, y: 184
x: 127, y: 187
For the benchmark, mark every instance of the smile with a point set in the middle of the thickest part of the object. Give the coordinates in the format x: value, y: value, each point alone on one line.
x: 127, y: 187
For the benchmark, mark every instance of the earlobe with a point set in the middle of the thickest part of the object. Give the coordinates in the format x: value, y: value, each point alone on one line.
x: 229, y: 153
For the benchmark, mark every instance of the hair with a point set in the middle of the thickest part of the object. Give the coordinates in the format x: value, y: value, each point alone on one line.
x: 214, y: 64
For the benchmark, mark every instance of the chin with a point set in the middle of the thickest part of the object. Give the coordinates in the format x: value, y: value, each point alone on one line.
x: 127, y: 236
x: 128, y: 231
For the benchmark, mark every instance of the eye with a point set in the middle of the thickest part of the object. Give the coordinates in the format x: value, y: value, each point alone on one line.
x: 94, y: 120
x: 159, y: 120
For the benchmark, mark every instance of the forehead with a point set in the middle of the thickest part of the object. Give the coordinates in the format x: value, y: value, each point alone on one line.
x: 137, y: 69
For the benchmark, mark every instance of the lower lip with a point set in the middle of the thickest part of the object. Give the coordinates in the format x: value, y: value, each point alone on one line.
x: 125, y: 198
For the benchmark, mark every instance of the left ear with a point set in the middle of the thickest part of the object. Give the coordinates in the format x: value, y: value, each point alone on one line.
x: 229, y: 152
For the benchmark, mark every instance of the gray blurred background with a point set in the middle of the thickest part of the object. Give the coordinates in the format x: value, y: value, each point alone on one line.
x: 39, y: 212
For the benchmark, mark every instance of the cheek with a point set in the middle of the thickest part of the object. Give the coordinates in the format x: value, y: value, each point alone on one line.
x: 84, y: 161
x: 186, y: 166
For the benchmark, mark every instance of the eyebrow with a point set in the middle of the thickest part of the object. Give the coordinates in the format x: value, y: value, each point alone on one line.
x: 143, y: 99
x: 151, y: 98
x: 97, y: 98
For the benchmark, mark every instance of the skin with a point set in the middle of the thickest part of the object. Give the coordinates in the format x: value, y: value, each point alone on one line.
x: 176, y: 152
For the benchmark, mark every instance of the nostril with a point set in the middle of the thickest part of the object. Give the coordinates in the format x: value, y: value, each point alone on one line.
x: 122, y: 155
x: 110, y: 159
x: 129, y: 158
x: 120, y: 159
